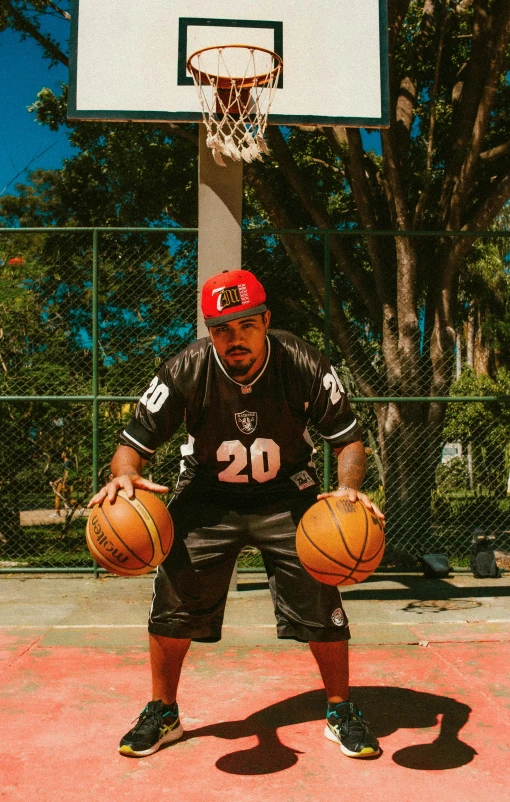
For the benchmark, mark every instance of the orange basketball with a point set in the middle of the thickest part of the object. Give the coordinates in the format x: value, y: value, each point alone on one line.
x: 131, y: 536
x: 338, y: 542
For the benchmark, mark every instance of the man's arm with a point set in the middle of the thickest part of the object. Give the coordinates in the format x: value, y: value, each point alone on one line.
x: 126, y: 466
x: 352, y: 466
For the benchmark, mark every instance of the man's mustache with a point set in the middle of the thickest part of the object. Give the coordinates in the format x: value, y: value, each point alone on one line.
x: 237, y: 350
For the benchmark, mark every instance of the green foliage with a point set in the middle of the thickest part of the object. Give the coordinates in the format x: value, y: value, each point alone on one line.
x: 452, y: 475
x: 49, y: 545
x: 489, y: 424
x: 456, y: 517
x: 471, y: 490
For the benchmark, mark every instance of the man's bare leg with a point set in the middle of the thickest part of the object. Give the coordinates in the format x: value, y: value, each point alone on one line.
x: 159, y: 722
x: 167, y: 656
x: 344, y: 722
x: 333, y: 661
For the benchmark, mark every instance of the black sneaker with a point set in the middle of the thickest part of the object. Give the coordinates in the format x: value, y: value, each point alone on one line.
x: 345, y: 726
x: 157, y: 724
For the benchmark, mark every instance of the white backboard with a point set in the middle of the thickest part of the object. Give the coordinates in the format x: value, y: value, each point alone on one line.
x: 128, y: 57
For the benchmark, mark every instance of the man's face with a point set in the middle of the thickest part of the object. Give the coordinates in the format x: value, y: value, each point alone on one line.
x: 241, y: 344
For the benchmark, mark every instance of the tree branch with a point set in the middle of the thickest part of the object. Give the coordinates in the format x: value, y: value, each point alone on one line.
x: 480, y: 220
x: 491, y: 34
x: 300, y: 253
x: 424, y: 194
x: 499, y: 45
x: 360, y: 169
x: 347, y: 143
x: 59, y: 10
x: 406, y: 95
x: 366, y: 204
x: 393, y: 174
x: 397, y: 11
x: 183, y: 133
x: 320, y: 217
x: 495, y: 153
x: 22, y: 24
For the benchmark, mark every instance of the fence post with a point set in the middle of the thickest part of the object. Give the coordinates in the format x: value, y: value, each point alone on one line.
x: 327, y: 340
x: 95, y: 377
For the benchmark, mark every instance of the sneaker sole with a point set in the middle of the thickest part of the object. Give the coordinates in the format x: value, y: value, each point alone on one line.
x: 367, y: 752
x: 168, y: 738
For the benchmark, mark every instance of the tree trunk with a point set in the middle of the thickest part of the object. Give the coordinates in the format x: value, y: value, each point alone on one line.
x: 483, y: 358
x: 470, y: 337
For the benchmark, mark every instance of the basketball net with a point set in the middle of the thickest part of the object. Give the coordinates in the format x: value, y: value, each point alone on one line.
x: 236, y: 85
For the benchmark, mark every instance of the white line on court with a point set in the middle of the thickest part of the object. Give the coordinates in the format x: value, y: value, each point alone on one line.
x: 259, y: 626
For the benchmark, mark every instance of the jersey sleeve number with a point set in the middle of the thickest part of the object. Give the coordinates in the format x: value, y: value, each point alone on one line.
x: 155, y: 395
x: 332, y: 383
x: 264, y: 459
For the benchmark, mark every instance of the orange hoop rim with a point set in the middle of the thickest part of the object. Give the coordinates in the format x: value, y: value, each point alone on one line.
x: 226, y: 81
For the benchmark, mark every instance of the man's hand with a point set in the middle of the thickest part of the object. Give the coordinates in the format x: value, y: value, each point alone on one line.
x: 127, y: 482
x: 127, y: 466
x: 353, y: 495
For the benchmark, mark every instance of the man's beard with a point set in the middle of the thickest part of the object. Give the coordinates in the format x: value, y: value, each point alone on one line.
x: 238, y: 371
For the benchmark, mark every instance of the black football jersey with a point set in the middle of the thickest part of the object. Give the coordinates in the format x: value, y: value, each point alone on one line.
x: 247, y: 439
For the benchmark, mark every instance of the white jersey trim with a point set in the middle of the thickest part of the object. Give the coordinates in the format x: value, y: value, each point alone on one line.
x: 338, y: 434
x: 187, y: 448
x: 149, y: 450
x: 264, y: 366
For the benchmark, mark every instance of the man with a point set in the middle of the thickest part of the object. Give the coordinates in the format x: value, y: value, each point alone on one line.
x: 247, y: 477
x: 63, y: 488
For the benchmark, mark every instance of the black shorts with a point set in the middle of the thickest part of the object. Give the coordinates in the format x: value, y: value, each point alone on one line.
x: 191, y: 586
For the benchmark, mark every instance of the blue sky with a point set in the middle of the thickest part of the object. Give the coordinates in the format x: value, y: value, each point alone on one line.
x: 23, y: 73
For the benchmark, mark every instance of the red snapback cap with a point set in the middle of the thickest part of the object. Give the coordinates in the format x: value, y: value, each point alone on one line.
x: 231, y: 295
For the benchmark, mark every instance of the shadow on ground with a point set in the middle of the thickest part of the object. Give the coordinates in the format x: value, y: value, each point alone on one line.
x: 387, y: 708
x: 419, y: 587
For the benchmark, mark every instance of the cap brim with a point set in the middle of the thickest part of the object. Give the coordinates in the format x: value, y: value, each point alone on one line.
x: 217, y: 321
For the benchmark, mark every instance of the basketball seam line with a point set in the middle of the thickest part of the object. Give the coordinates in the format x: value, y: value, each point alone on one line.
x: 144, y: 562
x: 340, y: 532
x: 360, y: 559
x: 332, y: 559
x: 135, y: 504
x: 332, y: 573
x: 109, y: 565
x: 102, y: 558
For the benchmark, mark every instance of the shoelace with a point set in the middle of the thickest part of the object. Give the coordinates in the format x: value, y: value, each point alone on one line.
x: 151, y: 715
x: 356, y: 725
x: 354, y: 719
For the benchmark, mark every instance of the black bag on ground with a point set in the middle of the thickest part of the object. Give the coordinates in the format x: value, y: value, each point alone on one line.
x: 435, y: 566
x: 483, y: 560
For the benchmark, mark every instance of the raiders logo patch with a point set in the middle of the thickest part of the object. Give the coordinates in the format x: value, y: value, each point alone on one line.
x: 246, y: 421
x: 338, y: 617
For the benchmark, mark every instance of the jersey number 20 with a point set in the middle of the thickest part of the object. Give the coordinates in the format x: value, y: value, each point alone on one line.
x: 264, y: 458
x: 155, y: 395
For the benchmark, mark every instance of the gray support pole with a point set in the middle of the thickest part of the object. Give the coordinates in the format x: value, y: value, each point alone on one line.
x: 220, y: 202
x: 95, y: 369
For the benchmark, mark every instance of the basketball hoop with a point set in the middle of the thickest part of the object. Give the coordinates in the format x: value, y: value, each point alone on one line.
x: 236, y: 85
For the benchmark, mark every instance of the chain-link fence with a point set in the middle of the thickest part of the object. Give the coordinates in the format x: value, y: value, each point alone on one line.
x: 88, y: 315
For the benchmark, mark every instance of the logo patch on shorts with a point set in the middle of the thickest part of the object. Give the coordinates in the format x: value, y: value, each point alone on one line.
x: 338, y: 617
x: 303, y: 480
x: 246, y: 421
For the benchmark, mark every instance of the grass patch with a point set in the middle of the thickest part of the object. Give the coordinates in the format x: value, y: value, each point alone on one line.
x: 46, y: 545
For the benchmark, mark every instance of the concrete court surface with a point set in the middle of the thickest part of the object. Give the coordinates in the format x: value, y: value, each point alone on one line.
x: 429, y: 667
